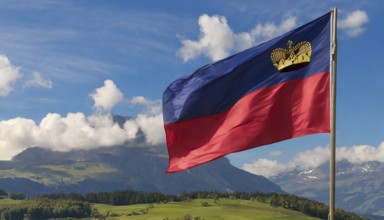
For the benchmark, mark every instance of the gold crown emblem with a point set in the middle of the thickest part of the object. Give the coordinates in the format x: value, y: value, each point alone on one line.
x: 294, y: 58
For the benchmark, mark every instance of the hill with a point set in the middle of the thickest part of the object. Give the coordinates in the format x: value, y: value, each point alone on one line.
x: 38, y: 170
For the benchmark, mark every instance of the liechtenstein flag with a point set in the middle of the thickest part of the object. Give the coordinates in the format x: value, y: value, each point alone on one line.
x: 269, y: 93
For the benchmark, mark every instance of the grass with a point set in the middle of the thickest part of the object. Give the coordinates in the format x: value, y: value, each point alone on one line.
x: 79, y: 171
x: 59, y: 174
x: 225, y: 209
x: 9, y: 202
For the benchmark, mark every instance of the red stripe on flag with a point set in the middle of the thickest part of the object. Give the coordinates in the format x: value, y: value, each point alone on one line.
x: 287, y: 110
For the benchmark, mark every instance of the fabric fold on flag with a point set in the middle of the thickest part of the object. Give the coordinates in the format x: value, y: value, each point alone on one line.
x: 269, y: 93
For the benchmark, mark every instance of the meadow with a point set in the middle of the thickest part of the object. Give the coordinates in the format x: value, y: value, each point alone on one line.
x: 224, y: 209
x: 136, y: 205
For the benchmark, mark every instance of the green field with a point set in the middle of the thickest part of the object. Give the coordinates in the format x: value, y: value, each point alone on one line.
x: 59, y: 174
x: 225, y: 209
x: 8, y: 202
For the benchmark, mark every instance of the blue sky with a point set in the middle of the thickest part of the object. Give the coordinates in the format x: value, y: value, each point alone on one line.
x: 66, y: 65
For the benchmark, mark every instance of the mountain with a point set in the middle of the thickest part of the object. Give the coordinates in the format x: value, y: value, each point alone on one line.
x: 37, y: 170
x: 359, y: 187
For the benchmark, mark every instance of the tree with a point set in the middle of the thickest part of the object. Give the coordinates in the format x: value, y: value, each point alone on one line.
x: 16, y: 196
x: 3, y: 192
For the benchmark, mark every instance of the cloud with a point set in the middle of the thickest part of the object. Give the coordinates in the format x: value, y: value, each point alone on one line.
x: 270, y: 30
x: 74, y: 131
x: 265, y: 167
x: 275, y: 153
x: 106, y: 97
x: 153, y: 128
x: 39, y: 81
x: 217, y: 40
x: 150, y: 121
x: 362, y: 153
x: 150, y: 107
x: 353, y: 23
x: 78, y: 131
x: 8, y: 75
x: 312, y: 158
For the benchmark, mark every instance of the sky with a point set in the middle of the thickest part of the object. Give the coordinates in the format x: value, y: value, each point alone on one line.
x: 66, y: 66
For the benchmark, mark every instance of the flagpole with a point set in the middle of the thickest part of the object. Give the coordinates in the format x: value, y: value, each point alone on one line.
x: 333, y: 115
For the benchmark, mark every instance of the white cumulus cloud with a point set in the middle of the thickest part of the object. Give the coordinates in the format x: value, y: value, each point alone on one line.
x: 78, y: 131
x: 150, y: 107
x: 270, y: 30
x: 106, y: 97
x: 75, y: 131
x: 153, y: 128
x: 265, y: 167
x: 312, y: 158
x: 217, y: 40
x: 8, y: 75
x: 353, y: 23
x: 55, y: 132
x: 150, y: 121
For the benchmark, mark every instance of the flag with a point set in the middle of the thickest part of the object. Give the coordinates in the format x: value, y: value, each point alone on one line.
x: 272, y: 92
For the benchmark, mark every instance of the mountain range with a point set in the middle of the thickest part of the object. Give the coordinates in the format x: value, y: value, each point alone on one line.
x: 359, y: 187
x: 37, y: 170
